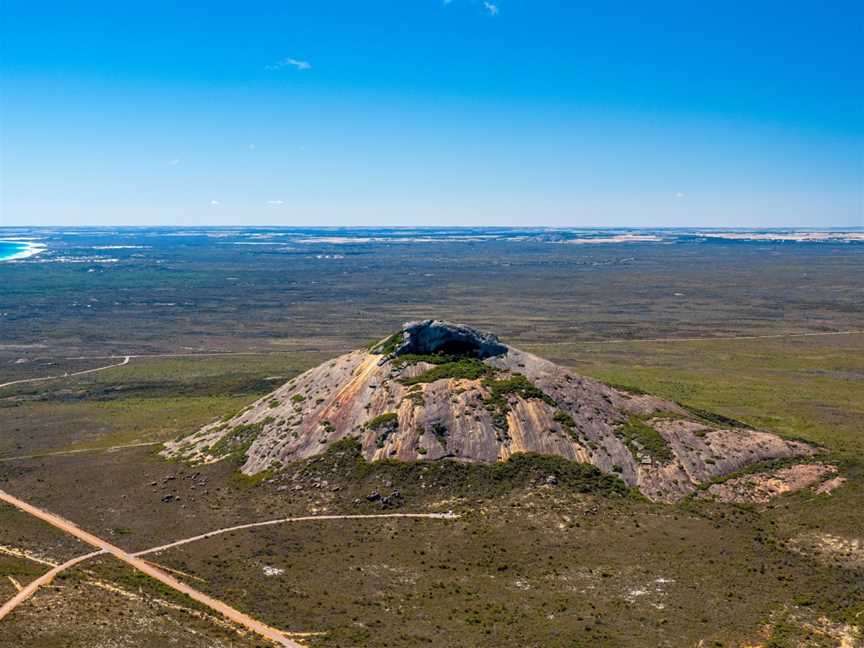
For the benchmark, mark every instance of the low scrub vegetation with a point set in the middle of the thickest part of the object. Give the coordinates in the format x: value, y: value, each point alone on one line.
x: 387, y: 419
x: 461, y: 479
x: 237, y: 441
x: 498, y: 401
x: 414, y: 358
x: 389, y: 345
x: 385, y: 424
x: 463, y: 369
x: 641, y: 437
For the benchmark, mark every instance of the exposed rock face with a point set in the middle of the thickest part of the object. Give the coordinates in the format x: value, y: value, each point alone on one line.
x: 436, y: 336
x: 760, y: 488
x: 438, y: 390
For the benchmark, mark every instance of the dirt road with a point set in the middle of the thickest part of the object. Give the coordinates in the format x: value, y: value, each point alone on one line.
x: 141, y: 565
x: 155, y: 572
x: 56, y: 453
x: 306, y: 518
x: 132, y: 356
x: 30, y: 589
x: 125, y: 361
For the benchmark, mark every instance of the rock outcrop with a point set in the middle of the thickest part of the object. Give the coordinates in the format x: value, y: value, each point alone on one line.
x: 436, y: 336
x: 436, y: 390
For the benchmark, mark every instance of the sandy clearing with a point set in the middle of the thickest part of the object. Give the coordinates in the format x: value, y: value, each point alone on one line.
x: 19, y: 553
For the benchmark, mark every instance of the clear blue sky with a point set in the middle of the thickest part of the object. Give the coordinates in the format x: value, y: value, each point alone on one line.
x: 431, y: 112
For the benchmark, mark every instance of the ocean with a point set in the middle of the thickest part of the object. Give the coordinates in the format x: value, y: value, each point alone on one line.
x: 13, y: 249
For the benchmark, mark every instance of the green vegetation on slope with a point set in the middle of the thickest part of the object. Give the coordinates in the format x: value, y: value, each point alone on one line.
x: 382, y: 420
x: 566, y: 421
x: 385, y: 424
x: 389, y: 345
x: 431, y: 358
x: 237, y: 440
x: 641, y: 437
x: 500, y: 390
x: 463, y: 479
x: 463, y: 369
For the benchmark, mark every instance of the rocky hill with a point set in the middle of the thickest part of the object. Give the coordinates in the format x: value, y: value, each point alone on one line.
x: 438, y: 390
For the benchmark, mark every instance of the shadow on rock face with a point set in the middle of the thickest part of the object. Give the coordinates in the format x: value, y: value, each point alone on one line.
x: 437, y: 336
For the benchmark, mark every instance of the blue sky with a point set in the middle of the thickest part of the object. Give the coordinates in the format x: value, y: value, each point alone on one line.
x: 426, y: 112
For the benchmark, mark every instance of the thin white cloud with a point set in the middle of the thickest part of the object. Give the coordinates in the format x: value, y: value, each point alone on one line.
x: 491, y: 8
x: 680, y: 194
x: 173, y: 162
x: 275, y: 202
x: 290, y: 62
x: 215, y: 202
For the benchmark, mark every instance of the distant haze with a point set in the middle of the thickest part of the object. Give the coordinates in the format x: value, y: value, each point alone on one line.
x: 431, y: 112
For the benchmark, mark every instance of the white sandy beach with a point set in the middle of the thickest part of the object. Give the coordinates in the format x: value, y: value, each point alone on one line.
x: 31, y: 248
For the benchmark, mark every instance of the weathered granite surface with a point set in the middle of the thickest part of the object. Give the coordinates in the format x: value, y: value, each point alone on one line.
x: 579, y: 418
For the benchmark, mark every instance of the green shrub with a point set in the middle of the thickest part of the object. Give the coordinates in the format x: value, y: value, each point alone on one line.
x: 388, y: 418
x: 640, y: 436
x: 464, y: 369
x: 385, y: 424
x: 237, y: 441
x: 440, y: 432
x: 498, y: 402
x: 389, y: 345
x: 564, y: 419
x: 711, y: 418
x: 467, y: 479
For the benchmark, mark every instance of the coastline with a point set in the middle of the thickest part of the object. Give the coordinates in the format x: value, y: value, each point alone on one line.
x: 31, y: 248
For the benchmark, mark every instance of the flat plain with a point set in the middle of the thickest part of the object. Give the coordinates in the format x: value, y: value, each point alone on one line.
x: 769, y: 334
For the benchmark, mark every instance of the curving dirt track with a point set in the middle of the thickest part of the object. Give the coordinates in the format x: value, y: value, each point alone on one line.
x: 141, y: 565
x: 56, y: 453
x: 155, y: 572
x: 45, y: 579
x: 125, y: 361
x: 305, y: 518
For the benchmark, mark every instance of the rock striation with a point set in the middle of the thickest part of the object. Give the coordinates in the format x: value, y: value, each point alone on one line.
x: 437, y: 390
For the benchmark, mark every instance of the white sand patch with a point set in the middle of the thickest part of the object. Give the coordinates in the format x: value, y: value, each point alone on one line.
x: 272, y: 571
x: 618, y: 238
x: 32, y: 248
x: 797, y: 237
